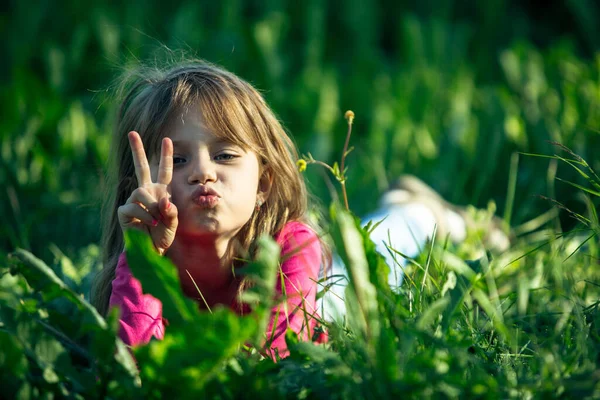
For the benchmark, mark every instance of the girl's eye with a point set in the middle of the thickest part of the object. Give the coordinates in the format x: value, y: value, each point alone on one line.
x: 178, y: 160
x: 225, y: 157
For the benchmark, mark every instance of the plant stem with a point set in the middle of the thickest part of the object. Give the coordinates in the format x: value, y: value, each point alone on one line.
x: 512, y: 185
x: 321, y: 163
x: 343, y: 181
x: 199, y: 291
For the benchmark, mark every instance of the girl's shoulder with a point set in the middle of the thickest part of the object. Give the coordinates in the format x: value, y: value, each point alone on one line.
x: 300, y: 248
x: 297, y: 236
x: 294, y: 230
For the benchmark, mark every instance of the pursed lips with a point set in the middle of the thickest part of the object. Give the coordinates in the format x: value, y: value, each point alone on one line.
x: 206, y: 197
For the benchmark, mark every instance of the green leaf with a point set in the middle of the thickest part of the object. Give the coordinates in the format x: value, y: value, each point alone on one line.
x: 348, y: 151
x: 493, y: 313
x: 291, y: 338
x: 262, y: 273
x: 583, y: 174
x: 159, y: 278
x: 575, y: 215
x: 370, y: 226
x: 13, y: 364
x: 456, y: 296
x: 192, y: 353
x: 317, y: 354
x: 581, y: 245
x: 43, y: 279
x: 590, y: 191
x: 554, y: 157
x: 432, y: 312
x: 349, y: 244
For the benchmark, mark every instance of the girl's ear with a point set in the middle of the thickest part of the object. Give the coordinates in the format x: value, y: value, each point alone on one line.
x: 264, y: 185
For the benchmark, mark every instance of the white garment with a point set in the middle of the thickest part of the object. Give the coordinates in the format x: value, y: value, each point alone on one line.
x: 405, y: 228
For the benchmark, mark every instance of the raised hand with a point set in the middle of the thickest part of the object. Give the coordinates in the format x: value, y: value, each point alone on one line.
x: 149, y: 208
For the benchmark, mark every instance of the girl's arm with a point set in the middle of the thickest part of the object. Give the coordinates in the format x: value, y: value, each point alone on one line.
x: 301, y: 261
x: 141, y: 314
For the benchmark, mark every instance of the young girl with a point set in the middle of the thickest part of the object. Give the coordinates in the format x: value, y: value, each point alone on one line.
x: 204, y: 167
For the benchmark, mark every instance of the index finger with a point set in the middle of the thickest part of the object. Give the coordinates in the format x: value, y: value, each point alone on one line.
x: 140, y: 161
x: 165, y: 167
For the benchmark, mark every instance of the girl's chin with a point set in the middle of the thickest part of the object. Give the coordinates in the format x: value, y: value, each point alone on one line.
x: 199, y: 228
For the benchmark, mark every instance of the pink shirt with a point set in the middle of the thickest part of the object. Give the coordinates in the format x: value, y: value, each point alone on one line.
x: 141, y: 314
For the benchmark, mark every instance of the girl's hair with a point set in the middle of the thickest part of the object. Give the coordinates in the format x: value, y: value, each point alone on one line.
x: 231, y: 109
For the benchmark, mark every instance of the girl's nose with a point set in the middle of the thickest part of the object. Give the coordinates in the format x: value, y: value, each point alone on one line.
x: 203, y: 171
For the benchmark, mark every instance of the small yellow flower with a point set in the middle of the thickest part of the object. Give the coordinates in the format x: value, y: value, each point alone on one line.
x: 349, y: 116
x: 301, y: 164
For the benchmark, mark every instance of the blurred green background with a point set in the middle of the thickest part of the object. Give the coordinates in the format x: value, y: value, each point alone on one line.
x: 444, y: 90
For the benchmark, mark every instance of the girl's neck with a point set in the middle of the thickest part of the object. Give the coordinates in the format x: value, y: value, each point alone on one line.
x: 203, y: 266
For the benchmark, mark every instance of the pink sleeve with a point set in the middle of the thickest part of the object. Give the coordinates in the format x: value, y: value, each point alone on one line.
x: 141, y: 314
x: 301, y: 261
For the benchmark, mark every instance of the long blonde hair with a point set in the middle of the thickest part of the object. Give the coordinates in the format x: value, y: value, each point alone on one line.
x: 234, y: 111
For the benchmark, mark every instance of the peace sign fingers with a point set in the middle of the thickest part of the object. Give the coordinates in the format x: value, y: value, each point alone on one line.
x: 165, y: 167
x: 140, y: 161
x: 149, y: 207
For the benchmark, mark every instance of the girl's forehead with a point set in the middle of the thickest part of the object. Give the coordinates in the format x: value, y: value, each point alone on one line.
x: 194, y: 123
x: 187, y: 133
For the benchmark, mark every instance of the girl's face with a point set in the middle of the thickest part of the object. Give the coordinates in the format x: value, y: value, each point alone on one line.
x: 215, y: 184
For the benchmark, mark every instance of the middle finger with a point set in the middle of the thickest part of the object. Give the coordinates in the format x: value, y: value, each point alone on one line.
x: 165, y: 167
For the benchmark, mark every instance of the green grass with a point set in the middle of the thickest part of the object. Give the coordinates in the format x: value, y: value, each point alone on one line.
x: 460, y: 95
x: 522, y: 324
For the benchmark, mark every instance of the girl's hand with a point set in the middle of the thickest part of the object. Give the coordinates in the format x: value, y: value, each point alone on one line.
x: 148, y: 208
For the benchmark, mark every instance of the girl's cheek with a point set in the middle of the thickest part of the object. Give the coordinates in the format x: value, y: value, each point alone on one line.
x: 175, y: 194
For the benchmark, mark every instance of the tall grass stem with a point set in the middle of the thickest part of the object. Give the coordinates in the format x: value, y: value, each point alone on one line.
x: 512, y: 185
x: 342, y: 163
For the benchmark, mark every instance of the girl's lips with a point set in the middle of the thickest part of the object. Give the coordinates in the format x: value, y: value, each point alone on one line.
x: 205, y: 197
x: 206, y: 200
